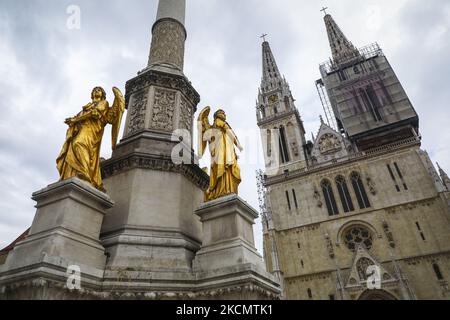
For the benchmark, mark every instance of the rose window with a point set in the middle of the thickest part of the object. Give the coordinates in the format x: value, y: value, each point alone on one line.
x: 358, y: 235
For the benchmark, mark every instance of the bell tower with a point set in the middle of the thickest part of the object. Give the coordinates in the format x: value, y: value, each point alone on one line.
x: 282, y: 130
x: 369, y: 103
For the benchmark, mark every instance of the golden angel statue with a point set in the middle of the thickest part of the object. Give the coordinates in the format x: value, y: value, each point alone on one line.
x: 225, y: 175
x: 80, y: 155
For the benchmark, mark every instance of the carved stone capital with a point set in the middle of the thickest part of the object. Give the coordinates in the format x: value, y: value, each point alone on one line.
x: 165, y: 80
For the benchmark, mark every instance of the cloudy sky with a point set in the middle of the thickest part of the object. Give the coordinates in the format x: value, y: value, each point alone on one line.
x: 48, y: 70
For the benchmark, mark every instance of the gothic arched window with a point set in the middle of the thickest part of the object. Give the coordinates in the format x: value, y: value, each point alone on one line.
x: 283, y: 146
x: 269, y: 143
x: 360, y: 191
x: 344, y: 194
x: 330, y: 200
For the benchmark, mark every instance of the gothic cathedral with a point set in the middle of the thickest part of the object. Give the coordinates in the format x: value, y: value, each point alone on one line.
x: 359, y: 212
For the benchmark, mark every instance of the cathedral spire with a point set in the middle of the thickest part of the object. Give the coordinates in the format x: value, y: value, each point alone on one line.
x: 271, y: 75
x: 341, y: 48
x: 168, y: 37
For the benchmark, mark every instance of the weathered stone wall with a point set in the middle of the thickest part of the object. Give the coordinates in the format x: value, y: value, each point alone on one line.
x: 394, y: 218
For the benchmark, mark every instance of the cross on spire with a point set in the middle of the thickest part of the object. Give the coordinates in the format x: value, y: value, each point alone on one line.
x: 324, y: 10
x: 264, y: 37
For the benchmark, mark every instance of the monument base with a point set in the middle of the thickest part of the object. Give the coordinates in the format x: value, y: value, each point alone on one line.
x: 228, y: 257
x: 65, y: 233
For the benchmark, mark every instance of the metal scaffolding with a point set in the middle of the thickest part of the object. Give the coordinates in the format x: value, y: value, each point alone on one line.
x: 327, y: 109
x: 262, y: 198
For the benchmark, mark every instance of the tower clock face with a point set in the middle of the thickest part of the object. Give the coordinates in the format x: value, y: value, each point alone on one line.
x: 273, y: 99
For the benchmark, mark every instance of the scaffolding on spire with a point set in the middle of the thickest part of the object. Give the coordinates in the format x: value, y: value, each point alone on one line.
x: 262, y: 198
x: 327, y: 109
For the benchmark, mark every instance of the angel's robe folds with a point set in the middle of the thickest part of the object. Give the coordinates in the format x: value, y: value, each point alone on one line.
x: 80, y: 155
x: 225, y: 174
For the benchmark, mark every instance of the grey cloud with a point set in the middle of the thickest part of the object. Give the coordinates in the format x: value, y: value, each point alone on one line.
x: 223, y: 61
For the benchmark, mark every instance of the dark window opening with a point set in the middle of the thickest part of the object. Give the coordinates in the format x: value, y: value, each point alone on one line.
x: 288, y: 200
x: 309, y: 293
x: 295, y: 198
x: 360, y: 191
x: 400, y: 175
x: 332, y: 297
x: 398, y: 170
x: 283, y: 146
x: 330, y: 200
x: 344, y: 194
x: 393, y: 177
x: 437, y: 271
x: 269, y: 143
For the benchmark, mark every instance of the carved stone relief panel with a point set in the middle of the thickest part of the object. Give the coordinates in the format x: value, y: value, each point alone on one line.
x: 185, y: 115
x: 163, y: 110
x: 137, y: 112
x: 329, y: 143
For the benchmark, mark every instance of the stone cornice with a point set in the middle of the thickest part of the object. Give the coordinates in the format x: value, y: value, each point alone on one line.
x: 193, y: 173
x: 120, y: 294
x: 282, y: 178
x: 278, y: 116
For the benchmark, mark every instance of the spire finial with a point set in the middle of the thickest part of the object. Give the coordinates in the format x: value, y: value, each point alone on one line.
x: 324, y: 10
x: 264, y: 35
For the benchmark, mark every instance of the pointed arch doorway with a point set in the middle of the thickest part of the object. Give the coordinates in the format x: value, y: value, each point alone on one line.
x: 376, y: 295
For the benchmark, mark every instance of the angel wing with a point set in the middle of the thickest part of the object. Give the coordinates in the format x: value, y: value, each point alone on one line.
x: 115, y: 115
x: 202, y: 126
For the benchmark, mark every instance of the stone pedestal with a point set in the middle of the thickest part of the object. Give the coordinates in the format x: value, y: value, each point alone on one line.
x: 228, y: 260
x: 227, y: 235
x: 65, y: 231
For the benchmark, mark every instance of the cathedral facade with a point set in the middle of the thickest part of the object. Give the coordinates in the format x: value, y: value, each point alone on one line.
x: 358, y: 212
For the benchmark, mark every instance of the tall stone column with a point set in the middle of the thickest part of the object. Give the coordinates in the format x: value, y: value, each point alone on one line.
x: 152, y: 226
x: 169, y: 36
